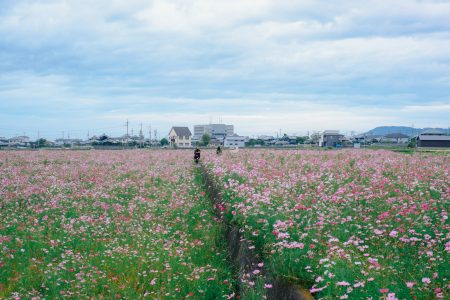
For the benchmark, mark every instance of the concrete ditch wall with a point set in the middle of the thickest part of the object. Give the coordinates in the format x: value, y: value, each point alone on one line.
x: 244, y: 257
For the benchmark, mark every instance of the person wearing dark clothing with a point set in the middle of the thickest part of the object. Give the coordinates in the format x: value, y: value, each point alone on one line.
x: 197, y: 155
x: 218, y: 151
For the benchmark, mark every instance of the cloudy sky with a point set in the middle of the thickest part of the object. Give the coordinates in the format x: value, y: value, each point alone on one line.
x: 262, y: 65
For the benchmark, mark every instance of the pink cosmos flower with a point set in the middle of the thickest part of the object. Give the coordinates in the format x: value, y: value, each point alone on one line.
x: 267, y: 286
x: 343, y: 283
x: 391, y: 296
x: 383, y: 291
x: 393, y: 233
x: 447, y: 247
x: 426, y: 280
x: 314, y: 289
x: 410, y: 284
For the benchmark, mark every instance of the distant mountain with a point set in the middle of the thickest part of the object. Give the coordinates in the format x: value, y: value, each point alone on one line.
x: 409, y: 131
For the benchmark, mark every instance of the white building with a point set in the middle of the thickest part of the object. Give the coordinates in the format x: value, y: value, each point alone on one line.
x: 398, y: 138
x: 19, y: 141
x: 235, y: 140
x: 63, y: 142
x: 215, y: 131
x: 180, y: 137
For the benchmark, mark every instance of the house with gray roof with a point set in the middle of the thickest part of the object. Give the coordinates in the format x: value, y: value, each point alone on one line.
x: 180, y: 137
x: 433, y: 140
x: 330, y: 138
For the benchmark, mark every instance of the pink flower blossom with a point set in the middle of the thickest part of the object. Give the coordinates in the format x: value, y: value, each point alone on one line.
x: 391, y: 296
x: 426, y: 280
x: 393, y: 233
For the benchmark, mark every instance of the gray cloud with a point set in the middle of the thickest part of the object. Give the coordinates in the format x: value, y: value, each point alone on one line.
x: 199, y: 58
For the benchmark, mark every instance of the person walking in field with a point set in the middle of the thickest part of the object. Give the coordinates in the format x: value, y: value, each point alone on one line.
x: 219, y: 150
x: 196, y: 155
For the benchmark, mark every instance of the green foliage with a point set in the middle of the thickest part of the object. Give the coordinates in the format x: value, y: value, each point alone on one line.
x: 164, y: 142
x: 412, y: 143
x: 301, y: 139
x: 254, y: 142
x: 206, y: 138
x: 42, y: 143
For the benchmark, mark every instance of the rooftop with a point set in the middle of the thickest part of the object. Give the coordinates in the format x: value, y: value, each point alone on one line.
x: 435, y: 137
x: 182, y: 131
x: 396, y: 135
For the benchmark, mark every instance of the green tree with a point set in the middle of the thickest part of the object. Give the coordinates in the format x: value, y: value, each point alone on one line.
x: 164, y: 142
x: 301, y: 139
x: 315, y: 137
x: 206, y: 138
x: 412, y: 143
x: 251, y: 143
x: 42, y: 143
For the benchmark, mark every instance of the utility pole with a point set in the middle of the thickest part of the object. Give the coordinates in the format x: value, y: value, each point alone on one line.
x: 38, y: 139
x: 126, y: 124
x: 150, y: 134
x: 141, y: 136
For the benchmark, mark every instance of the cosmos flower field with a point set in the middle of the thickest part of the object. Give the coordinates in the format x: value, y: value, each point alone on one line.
x: 107, y: 224
x: 347, y: 224
x: 138, y: 224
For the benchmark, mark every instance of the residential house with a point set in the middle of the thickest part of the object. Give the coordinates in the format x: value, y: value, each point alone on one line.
x: 367, y: 138
x: 290, y: 139
x: 267, y: 140
x: 281, y: 143
x: 398, y: 138
x: 19, y: 141
x: 330, y: 138
x: 67, y: 142
x: 433, y: 140
x: 180, y: 137
x: 3, y: 142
